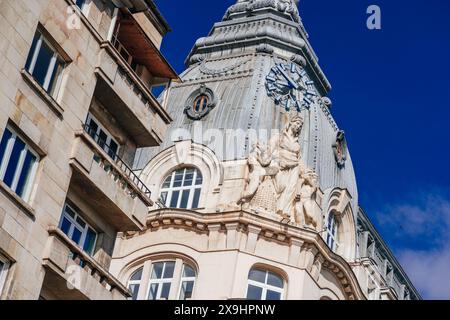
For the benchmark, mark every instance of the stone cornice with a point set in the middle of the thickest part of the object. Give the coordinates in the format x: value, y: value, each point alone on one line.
x: 264, y: 227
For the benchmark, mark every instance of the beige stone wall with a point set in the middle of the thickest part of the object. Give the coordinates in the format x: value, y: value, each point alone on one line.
x: 49, y: 127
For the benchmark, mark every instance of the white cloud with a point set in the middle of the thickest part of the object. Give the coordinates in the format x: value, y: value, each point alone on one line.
x: 429, y: 271
x: 423, y: 219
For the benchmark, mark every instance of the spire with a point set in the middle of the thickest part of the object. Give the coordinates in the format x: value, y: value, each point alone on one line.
x: 253, y: 7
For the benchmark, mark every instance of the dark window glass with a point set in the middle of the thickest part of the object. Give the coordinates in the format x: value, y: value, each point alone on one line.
x: 257, y: 275
x: 153, y: 291
x: 174, y: 200
x: 102, y: 137
x: 65, y: 226
x: 165, y: 291
x: 272, y: 295
x: 196, y: 198
x: 254, y: 293
x: 6, y: 136
x: 187, y: 287
x: 134, y: 288
x: 55, y: 75
x: 76, y: 236
x: 32, y: 50
x: 113, y: 147
x: 19, y: 146
x: 30, y: 159
x: 137, y: 276
x: 93, y: 127
x: 80, y: 3
x: 42, y: 63
x: 188, y: 272
x: 184, y: 199
x: 90, y: 241
x: 168, y: 271
x: 274, y: 280
x: 157, y: 270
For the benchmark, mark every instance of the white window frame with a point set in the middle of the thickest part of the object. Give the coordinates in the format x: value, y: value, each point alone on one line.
x: 109, y: 136
x: 75, y: 223
x: 3, y: 272
x: 265, y: 286
x: 161, y: 281
x: 187, y: 279
x: 51, y: 67
x: 171, y: 189
x: 332, y: 234
x: 136, y: 282
x: 5, y: 162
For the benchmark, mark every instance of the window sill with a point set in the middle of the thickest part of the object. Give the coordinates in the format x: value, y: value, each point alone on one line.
x: 25, y: 207
x: 41, y: 92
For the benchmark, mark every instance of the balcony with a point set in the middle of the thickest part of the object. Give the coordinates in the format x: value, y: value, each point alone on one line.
x: 72, y: 274
x: 111, y: 186
x: 129, y: 66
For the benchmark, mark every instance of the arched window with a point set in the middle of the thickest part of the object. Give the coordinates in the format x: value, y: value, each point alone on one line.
x: 135, y: 283
x: 182, y: 188
x: 332, y: 232
x: 264, y: 285
x: 201, y: 103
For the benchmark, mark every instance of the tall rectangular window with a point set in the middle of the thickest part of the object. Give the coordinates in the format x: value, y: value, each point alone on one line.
x: 45, y: 65
x: 76, y: 228
x: 4, y: 266
x: 18, y: 164
x: 103, y: 138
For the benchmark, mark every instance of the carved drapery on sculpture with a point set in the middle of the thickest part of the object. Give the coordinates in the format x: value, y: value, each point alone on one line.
x: 280, y: 182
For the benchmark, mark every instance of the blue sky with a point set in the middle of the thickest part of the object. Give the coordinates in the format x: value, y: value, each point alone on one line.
x: 391, y: 96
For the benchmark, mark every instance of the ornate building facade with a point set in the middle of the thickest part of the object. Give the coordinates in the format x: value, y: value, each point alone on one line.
x: 236, y: 183
x: 257, y: 193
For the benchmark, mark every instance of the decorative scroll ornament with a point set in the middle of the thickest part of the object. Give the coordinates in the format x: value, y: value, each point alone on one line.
x: 340, y: 149
x: 196, y: 109
x: 279, y: 181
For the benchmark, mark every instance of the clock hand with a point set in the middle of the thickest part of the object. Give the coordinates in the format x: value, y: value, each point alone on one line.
x: 289, y: 79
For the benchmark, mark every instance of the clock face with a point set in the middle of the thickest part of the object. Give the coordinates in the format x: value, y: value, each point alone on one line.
x: 289, y: 85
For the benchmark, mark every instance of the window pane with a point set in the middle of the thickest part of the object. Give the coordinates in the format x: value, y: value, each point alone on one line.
x: 30, y: 159
x: 188, y: 272
x: 76, y: 236
x: 42, y: 63
x: 188, y: 179
x: 275, y: 280
x: 153, y: 291
x: 19, y: 146
x: 65, y: 226
x: 257, y: 275
x: 134, y: 288
x: 89, y: 243
x: 168, y: 271
x: 33, y: 48
x: 80, y: 3
x: 199, y: 179
x: 157, y: 270
x: 196, y: 198
x: 254, y: 293
x: 174, y: 200
x: 165, y: 291
x: 54, y: 78
x: 81, y: 222
x: 93, y: 127
x: 1, y: 266
x: 102, y: 137
x: 113, y: 147
x: 6, y: 136
x: 272, y: 295
x: 178, y: 179
x: 69, y: 211
x: 137, y: 275
x: 166, y: 183
x: 187, y: 287
x: 184, y: 199
x: 164, y: 198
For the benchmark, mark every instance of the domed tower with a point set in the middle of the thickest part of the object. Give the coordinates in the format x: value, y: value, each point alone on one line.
x: 254, y: 179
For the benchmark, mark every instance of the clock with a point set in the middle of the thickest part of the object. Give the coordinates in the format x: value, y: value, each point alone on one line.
x: 290, y: 86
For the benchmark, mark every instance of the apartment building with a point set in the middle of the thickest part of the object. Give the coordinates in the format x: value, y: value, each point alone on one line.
x: 78, y: 87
